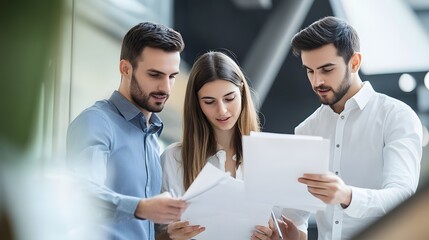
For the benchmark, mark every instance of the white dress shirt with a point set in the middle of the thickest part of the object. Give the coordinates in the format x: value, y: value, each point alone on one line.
x: 376, y: 148
x: 172, y: 168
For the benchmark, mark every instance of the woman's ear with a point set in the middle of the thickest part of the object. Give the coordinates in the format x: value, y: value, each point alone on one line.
x: 355, y: 62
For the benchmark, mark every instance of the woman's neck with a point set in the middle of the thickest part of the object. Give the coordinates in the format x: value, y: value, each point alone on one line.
x: 225, y: 139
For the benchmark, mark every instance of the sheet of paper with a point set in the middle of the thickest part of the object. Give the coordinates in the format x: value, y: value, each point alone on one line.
x: 274, y: 162
x: 208, y: 178
x: 223, y: 208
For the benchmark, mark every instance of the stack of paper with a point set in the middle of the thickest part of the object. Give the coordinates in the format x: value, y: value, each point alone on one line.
x: 274, y: 162
x: 218, y: 202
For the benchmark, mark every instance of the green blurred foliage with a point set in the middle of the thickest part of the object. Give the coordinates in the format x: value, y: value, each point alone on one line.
x: 29, y: 41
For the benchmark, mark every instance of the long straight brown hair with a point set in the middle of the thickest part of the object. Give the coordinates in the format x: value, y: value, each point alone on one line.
x: 199, y: 142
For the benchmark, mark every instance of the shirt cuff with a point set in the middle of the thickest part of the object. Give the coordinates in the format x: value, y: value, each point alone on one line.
x: 359, y: 199
x: 128, y: 205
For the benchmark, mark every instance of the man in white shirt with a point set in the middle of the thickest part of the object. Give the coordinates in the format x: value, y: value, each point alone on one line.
x: 375, y: 140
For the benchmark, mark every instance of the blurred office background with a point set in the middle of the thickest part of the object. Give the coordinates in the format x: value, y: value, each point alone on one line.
x: 74, y: 61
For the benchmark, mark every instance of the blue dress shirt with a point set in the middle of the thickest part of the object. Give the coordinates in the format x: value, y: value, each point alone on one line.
x: 117, y: 155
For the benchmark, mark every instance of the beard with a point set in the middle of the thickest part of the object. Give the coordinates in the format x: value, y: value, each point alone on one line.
x: 338, y: 93
x: 141, y: 98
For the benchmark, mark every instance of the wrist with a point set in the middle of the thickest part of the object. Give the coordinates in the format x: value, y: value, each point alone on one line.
x: 348, y: 198
x: 139, y: 213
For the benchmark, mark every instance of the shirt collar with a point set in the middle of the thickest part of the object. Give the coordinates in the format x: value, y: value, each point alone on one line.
x: 221, y: 155
x: 125, y: 107
x: 362, y: 97
x: 130, y: 111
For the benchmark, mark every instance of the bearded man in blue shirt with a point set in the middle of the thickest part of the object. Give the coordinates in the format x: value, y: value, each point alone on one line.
x: 113, y: 145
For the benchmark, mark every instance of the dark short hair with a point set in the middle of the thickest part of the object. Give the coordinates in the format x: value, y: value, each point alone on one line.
x: 326, y: 31
x: 149, y: 34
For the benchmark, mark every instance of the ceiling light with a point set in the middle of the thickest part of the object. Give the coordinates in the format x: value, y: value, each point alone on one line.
x: 427, y: 80
x: 425, y: 139
x: 407, y: 83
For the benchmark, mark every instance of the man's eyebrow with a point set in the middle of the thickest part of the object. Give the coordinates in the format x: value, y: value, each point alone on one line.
x: 326, y: 65
x: 323, y: 66
x: 155, y: 71
x: 159, y: 72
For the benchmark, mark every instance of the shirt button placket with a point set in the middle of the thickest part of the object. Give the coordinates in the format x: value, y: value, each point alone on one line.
x: 340, y: 125
x: 337, y: 216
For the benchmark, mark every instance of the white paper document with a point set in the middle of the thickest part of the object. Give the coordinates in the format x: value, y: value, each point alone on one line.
x: 274, y: 162
x: 218, y: 202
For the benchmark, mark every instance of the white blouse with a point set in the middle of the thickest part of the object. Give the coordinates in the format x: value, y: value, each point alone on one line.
x: 172, y: 168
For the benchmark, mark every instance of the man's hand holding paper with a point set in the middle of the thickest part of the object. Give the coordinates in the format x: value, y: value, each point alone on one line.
x: 328, y: 187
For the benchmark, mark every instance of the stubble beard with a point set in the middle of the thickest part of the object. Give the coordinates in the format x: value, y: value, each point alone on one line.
x: 141, y: 98
x: 340, y: 92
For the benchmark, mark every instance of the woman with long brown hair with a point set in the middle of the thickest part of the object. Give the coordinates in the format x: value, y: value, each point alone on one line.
x: 218, y: 111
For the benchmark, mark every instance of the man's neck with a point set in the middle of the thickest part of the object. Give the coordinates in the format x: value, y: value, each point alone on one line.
x: 147, y: 116
x: 354, y: 88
